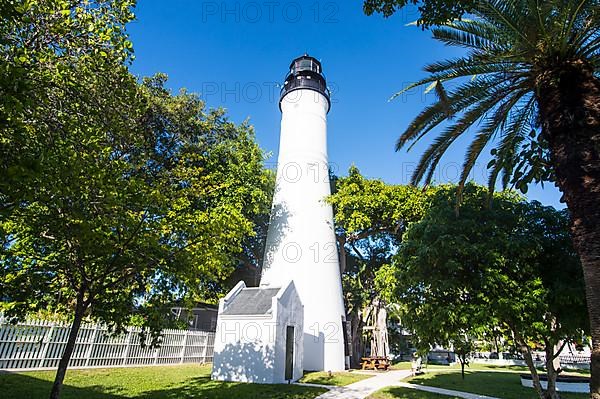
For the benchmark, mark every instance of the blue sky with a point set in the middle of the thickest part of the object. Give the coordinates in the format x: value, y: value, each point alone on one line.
x: 233, y: 53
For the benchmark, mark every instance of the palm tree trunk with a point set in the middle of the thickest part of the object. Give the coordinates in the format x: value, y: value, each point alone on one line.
x: 569, y: 103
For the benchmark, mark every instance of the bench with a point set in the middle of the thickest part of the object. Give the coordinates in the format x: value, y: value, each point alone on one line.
x: 375, y: 363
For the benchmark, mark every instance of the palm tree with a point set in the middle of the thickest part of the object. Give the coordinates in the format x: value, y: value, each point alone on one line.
x: 529, y: 87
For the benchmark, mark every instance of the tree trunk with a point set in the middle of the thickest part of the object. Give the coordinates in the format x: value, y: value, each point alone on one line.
x: 569, y: 102
x: 551, y: 372
x: 343, y: 256
x: 379, y: 342
x: 80, y: 308
x: 357, y: 339
x: 526, y: 351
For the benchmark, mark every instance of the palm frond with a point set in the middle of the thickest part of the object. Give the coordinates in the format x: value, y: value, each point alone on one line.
x: 493, y: 124
x: 575, y: 14
x: 430, y: 159
x: 469, y: 66
x: 467, y: 35
x: 507, y: 149
x: 507, y: 17
x: 442, y: 95
x: 510, y: 45
x: 464, y: 97
x: 411, y: 86
x: 588, y: 44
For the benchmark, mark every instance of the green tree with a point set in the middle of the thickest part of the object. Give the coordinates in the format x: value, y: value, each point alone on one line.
x: 141, y: 222
x: 60, y: 61
x: 528, y: 85
x: 511, y: 266
x: 250, y: 260
x: 113, y: 195
x: 433, y: 12
x: 370, y: 218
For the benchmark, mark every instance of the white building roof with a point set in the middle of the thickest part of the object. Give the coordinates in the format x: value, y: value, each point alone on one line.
x: 251, y: 301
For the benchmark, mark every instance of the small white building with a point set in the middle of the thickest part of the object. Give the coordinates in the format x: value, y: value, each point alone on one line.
x: 259, y: 335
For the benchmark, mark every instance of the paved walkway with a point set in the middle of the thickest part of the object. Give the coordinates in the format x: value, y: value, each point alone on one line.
x: 448, y: 392
x: 364, y: 388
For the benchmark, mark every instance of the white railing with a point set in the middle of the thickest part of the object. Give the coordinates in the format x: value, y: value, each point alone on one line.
x: 568, y: 360
x: 36, y: 344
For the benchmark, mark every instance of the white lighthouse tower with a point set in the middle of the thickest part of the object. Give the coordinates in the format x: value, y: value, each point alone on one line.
x: 301, y: 244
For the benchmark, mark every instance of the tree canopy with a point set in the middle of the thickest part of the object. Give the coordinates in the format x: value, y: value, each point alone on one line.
x: 62, y: 64
x: 163, y: 213
x: 370, y: 218
x: 526, y: 87
x: 433, y: 12
x: 115, y: 194
x: 510, y: 265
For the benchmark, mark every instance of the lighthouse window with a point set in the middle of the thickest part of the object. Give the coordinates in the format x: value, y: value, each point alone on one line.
x: 305, y: 64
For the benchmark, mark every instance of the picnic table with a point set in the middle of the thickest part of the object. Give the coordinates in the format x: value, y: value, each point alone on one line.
x: 375, y: 363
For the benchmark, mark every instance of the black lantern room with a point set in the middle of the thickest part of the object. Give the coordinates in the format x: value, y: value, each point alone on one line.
x: 306, y: 72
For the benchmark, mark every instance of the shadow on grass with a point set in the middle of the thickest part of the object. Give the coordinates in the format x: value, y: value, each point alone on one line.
x: 407, y: 393
x: 22, y: 386
x: 205, y: 388
x: 503, y: 385
x: 513, y: 367
x: 341, y: 378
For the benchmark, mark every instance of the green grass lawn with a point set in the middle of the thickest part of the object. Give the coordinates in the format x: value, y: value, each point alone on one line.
x: 338, y: 379
x: 403, y: 365
x: 175, y: 382
x: 478, y: 367
x: 407, y: 393
x: 500, y: 385
x: 491, y: 367
x: 406, y: 365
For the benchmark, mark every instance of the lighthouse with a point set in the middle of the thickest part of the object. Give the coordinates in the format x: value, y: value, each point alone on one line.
x: 294, y: 320
x: 301, y: 244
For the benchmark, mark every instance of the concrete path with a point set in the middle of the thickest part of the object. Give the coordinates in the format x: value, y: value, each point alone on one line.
x: 362, y: 389
x: 448, y: 392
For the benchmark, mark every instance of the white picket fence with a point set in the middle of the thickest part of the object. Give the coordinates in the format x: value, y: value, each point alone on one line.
x: 36, y: 344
